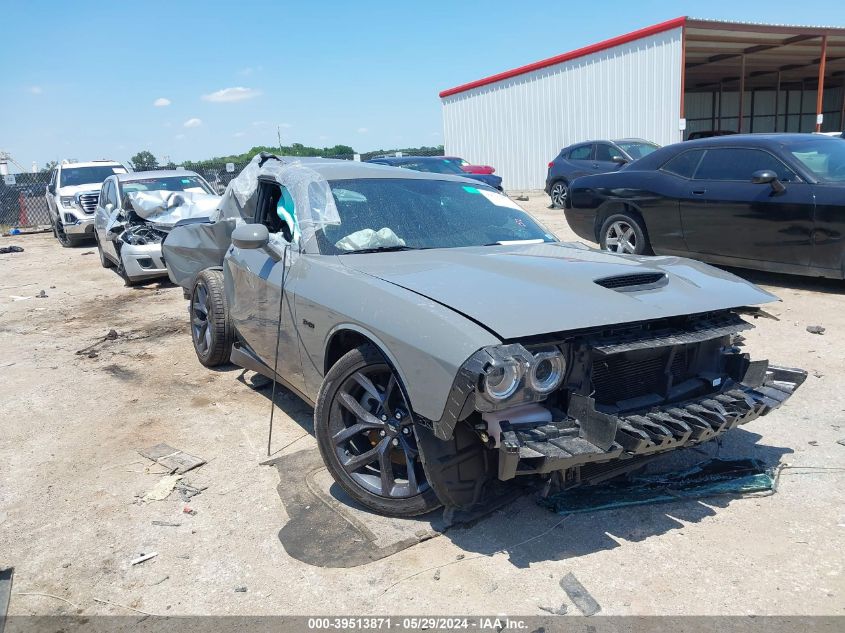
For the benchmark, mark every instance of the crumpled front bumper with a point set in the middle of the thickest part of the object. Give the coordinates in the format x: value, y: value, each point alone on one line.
x: 589, y: 436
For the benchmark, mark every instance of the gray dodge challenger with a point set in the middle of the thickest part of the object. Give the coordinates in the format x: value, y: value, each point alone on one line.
x: 448, y: 341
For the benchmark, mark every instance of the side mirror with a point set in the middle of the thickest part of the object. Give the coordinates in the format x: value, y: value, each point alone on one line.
x: 250, y: 236
x: 768, y: 177
x: 51, y: 189
x: 620, y: 160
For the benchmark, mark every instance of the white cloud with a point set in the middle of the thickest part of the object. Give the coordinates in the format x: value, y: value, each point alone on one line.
x: 193, y: 122
x: 228, y: 95
x: 239, y: 134
x: 36, y: 90
x: 161, y: 102
x: 179, y: 137
x: 363, y: 130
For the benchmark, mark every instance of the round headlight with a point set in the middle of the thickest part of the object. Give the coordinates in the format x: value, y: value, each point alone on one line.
x: 501, y: 381
x: 546, y: 371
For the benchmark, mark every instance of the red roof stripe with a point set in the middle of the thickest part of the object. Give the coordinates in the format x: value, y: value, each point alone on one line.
x: 565, y: 57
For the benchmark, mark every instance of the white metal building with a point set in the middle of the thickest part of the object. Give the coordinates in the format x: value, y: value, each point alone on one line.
x: 658, y: 83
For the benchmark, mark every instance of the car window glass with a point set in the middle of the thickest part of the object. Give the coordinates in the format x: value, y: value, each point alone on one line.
x: 824, y: 158
x: 739, y: 164
x: 112, y: 193
x: 684, y: 164
x: 103, y: 194
x: 581, y: 153
x: 267, y: 210
x: 605, y: 152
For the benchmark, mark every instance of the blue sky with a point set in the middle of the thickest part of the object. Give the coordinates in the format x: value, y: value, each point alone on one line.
x: 80, y: 79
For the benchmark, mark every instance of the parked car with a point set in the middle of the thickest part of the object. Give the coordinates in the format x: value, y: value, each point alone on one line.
x: 136, y: 211
x: 766, y: 201
x: 437, y: 165
x: 469, y: 167
x: 430, y: 322
x: 591, y: 157
x: 72, y: 197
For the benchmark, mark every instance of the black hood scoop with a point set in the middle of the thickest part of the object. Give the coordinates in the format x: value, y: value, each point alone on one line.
x: 632, y: 282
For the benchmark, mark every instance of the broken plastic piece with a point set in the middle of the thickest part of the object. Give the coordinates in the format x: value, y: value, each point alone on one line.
x: 368, y: 238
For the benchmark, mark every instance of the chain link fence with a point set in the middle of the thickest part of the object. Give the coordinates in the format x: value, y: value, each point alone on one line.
x: 23, y: 196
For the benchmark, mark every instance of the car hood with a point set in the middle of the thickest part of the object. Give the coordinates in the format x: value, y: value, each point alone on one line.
x: 71, y: 190
x: 490, y: 179
x: 530, y: 289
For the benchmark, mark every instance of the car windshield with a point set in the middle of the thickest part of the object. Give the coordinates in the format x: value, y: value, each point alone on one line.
x: 437, y: 166
x: 73, y: 176
x: 637, y: 149
x: 190, y: 184
x: 825, y: 158
x: 398, y: 214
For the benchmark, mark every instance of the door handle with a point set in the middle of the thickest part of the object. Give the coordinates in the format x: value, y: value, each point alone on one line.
x: 699, y: 192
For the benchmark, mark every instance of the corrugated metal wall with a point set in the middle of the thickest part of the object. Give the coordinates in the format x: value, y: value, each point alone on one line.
x: 518, y: 125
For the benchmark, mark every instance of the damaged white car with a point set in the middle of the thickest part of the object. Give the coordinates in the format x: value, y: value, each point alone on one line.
x: 135, y: 213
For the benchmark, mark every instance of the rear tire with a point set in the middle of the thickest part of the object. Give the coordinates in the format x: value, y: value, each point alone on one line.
x: 211, y: 328
x: 558, y: 194
x: 624, y: 233
x: 366, y: 433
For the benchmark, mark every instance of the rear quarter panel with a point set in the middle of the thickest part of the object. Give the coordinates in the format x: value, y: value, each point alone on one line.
x: 652, y: 194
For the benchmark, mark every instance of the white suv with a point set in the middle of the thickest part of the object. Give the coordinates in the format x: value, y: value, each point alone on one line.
x: 72, y: 197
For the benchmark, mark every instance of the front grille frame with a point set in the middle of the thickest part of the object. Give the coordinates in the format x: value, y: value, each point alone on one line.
x: 88, y: 201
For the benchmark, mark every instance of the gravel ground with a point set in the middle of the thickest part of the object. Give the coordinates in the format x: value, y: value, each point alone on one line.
x: 71, y: 519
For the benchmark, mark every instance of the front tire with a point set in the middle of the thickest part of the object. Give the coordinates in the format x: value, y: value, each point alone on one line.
x: 64, y: 239
x: 624, y: 233
x: 105, y: 262
x: 211, y: 329
x: 558, y: 194
x: 366, y: 433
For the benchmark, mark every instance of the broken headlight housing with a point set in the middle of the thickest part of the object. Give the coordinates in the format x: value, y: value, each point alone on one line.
x: 511, y: 375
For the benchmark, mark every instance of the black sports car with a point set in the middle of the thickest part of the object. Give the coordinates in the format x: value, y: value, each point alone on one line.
x: 766, y: 201
x: 591, y: 157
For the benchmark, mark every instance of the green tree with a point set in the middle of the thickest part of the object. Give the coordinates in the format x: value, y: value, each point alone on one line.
x: 48, y: 167
x: 144, y: 161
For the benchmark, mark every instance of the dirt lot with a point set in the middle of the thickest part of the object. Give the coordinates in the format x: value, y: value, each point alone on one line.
x: 71, y: 519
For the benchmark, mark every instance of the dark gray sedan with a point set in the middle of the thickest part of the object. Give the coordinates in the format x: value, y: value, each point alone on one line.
x: 447, y: 340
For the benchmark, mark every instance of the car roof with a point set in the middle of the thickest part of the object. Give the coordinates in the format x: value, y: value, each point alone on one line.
x: 753, y: 140
x: 92, y: 163
x: 157, y: 173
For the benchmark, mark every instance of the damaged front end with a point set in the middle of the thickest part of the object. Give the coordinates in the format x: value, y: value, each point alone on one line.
x: 145, y: 219
x: 595, y: 404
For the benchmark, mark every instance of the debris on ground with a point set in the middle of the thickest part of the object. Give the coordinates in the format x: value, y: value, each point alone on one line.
x: 189, y: 510
x: 240, y: 589
x: 173, y: 459
x: 159, y: 581
x: 162, y: 489
x: 19, y: 298
x: 5, y: 250
x: 579, y: 595
x: 815, y: 329
x: 142, y: 558
x: 88, y: 253
x: 713, y: 477
x: 186, y: 490
x: 42, y: 295
x: 842, y: 441
x: 437, y: 575
x: 522, y: 198
x: 561, y: 610
x: 166, y: 524
x: 460, y: 556
x: 111, y: 335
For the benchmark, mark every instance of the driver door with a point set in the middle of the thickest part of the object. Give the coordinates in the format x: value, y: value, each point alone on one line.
x: 256, y: 278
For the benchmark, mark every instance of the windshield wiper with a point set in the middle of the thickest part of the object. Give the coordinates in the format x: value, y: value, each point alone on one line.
x: 384, y: 249
x: 538, y: 240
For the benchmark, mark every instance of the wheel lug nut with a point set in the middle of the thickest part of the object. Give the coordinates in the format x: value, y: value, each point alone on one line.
x: 406, y: 430
x: 382, y: 433
x: 398, y: 415
x: 395, y: 442
x: 383, y: 418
